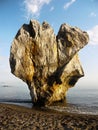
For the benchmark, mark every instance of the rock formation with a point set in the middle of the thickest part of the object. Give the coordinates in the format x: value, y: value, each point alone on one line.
x: 49, y: 64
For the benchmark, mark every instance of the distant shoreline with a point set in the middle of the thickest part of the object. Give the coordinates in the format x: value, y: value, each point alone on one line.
x: 19, y: 117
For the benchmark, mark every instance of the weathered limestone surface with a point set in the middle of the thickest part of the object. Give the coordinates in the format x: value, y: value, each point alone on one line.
x: 49, y: 64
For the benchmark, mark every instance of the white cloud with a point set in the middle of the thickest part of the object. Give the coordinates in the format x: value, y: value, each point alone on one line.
x: 4, y: 68
x: 93, y: 34
x: 5, y: 73
x: 68, y: 4
x: 4, y: 64
x: 33, y: 7
x: 92, y: 14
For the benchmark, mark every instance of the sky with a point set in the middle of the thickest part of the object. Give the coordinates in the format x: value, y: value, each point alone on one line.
x: 80, y: 13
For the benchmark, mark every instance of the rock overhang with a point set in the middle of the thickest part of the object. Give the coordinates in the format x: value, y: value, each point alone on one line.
x: 49, y: 64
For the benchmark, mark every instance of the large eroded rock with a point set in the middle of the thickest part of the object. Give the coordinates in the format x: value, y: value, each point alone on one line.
x: 48, y: 63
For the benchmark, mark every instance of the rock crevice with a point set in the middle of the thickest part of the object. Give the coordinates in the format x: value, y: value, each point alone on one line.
x: 49, y: 64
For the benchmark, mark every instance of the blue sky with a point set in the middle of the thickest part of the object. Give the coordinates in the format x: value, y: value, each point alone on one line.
x: 80, y: 13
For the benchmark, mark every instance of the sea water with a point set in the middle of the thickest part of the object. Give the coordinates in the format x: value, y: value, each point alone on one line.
x: 82, y: 101
x: 15, y: 94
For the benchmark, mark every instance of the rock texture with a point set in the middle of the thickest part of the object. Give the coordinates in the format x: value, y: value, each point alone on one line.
x: 49, y: 64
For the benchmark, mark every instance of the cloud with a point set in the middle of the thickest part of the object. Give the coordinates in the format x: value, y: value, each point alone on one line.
x: 92, y: 14
x: 4, y: 68
x: 4, y: 64
x: 93, y: 34
x: 68, y: 4
x: 5, y: 72
x: 33, y: 7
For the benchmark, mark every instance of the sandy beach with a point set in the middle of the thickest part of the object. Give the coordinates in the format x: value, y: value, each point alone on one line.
x: 14, y: 117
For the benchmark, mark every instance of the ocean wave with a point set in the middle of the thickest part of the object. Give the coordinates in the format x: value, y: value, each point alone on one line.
x: 76, y: 109
x: 16, y: 100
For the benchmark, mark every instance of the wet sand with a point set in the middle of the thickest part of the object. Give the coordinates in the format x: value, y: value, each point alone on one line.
x: 13, y: 117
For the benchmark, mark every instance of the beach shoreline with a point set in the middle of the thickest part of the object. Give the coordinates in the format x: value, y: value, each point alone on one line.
x: 23, y: 118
